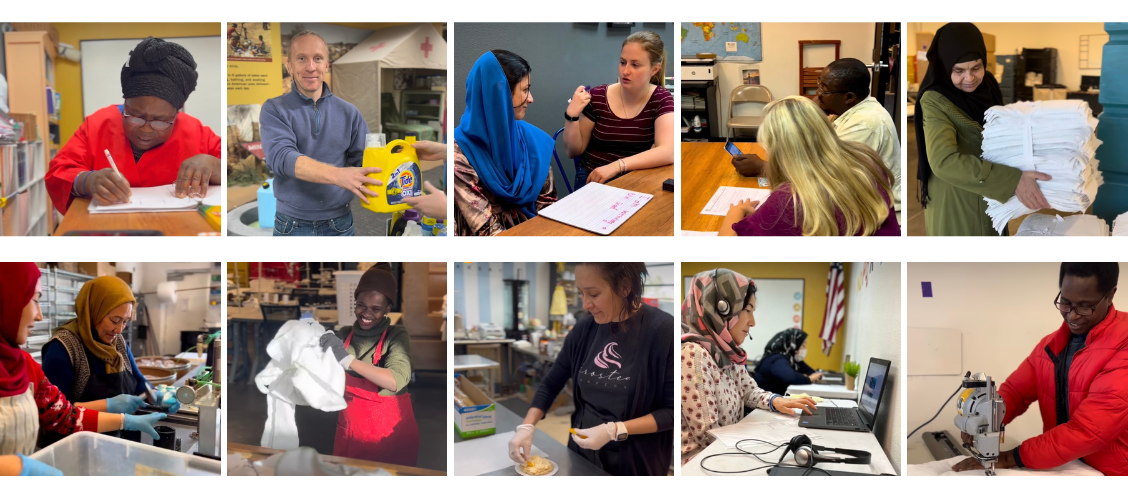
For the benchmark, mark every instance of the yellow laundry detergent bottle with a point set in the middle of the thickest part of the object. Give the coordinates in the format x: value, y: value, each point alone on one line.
x: 400, y: 176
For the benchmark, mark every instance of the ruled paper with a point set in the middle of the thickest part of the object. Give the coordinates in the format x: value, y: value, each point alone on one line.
x: 598, y: 208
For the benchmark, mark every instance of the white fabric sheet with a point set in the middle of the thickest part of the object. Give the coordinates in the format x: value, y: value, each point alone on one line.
x: 299, y: 373
x: 944, y: 468
x: 1056, y: 225
x: 1054, y: 137
x: 1120, y: 225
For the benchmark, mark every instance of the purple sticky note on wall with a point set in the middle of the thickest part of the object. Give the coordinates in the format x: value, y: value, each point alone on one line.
x: 926, y: 288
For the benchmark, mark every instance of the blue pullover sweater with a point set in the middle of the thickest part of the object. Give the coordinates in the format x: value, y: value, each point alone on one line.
x: 330, y: 131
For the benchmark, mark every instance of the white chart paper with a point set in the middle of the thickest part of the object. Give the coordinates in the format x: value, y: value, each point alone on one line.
x: 598, y: 208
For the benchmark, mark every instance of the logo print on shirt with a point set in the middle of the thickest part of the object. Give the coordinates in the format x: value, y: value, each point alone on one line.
x: 604, y: 358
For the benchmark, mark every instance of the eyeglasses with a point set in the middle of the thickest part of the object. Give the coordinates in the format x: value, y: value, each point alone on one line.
x: 137, y: 121
x: 1080, y: 310
x: 820, y: 89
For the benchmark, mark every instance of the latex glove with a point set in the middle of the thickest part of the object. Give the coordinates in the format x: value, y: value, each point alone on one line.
x: 329, y: 340
x: 521, y: 445
x: 787, y: 406
x: 596, y: 437
x: 143, y: 423
x: 166, y: 398
x: 124, y: 403
x: 37, y: 468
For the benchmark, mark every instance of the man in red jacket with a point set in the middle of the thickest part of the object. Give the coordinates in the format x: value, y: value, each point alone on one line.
x: 1079, y: 377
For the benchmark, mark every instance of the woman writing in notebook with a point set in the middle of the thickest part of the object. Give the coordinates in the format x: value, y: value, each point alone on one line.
x: 820, y: 184
x: 623, y: 126
x: 715, y: 385
x: 952, y: 178
x: 149, y: 141
x: 501, y: 162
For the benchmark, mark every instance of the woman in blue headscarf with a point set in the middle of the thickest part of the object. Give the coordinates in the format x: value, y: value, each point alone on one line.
x: 501, y: 163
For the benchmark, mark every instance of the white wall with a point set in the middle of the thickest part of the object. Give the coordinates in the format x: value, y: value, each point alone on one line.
x: 191, y: 308
x: 1001, y: 310
x: 873, y: 330
x: 779, y: 71
x: 1010, y: 38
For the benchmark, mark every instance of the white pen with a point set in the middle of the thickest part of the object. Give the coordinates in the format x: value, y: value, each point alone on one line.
x: 114, y: 166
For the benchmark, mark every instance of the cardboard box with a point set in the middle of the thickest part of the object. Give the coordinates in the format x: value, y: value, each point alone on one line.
x: 97, y: 269
x: 477, y: 420
x: 126, y: 277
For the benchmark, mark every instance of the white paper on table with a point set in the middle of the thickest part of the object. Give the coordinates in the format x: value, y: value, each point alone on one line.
x: 726, y: 196
x: 478, y: 456
x: 773, y: 431
x: 698, y: 233
x: 598, y: 208
x: 159, y: 199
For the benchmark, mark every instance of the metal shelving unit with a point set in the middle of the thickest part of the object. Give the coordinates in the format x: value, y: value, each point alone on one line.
x: 60, y: 290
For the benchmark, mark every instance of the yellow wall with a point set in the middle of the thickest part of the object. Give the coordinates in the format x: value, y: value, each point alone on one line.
x: 68, y: 74
x: 814, y: 276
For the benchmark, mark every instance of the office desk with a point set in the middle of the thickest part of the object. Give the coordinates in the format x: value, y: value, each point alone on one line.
x: 865, y: 441
x: 824, y: 391
x: 570, y: 462
x: 467, y: 362
x: 706, y: 166
x: 255, y: 453
x: 79, y: 218
x: 656, y: 218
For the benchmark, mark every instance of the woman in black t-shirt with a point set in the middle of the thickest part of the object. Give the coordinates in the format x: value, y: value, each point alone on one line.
x: 621, y: 361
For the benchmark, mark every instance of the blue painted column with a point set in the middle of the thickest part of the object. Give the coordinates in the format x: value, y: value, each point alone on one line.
x: 1112, y: 198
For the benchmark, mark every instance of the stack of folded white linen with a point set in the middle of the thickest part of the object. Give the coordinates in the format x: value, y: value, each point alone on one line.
x: 1056, y: 225
x: 1055, y: 137
x: 1120, y: 225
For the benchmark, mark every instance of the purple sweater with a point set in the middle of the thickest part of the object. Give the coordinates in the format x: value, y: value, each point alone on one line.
x: 776, y: 217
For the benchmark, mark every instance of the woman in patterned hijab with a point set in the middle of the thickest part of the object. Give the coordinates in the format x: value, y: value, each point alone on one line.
x: 715, y: 386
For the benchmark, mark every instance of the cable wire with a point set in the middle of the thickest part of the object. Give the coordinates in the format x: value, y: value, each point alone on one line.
x: 937, y: 412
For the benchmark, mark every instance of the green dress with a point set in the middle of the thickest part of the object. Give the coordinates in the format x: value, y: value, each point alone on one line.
x: 960, y: 178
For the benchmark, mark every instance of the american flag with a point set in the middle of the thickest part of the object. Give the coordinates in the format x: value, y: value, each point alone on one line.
x: 835, y: 305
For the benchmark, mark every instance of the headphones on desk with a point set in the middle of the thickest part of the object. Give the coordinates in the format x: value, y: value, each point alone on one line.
x: 807, y: 454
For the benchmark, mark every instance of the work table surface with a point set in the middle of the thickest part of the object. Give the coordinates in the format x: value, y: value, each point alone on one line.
x: 79, y: 218
x: 865, y: 441
x: 253, y: 453
x: 656, y: 218
x: 570, y: 462
x: 705, y: 167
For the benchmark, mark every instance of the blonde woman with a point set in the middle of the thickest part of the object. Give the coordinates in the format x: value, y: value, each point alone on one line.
x: 623, y: 126
x: 821, y: 185
x: 715, y: 386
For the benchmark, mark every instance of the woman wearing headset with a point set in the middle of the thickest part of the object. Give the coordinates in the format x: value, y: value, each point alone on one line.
x: 715, y: 386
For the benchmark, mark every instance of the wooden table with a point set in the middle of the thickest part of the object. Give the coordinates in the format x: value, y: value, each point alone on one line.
x: 656, y: 218
x: 79, y: 218
x: 706, y: 166
x: 253, y: 453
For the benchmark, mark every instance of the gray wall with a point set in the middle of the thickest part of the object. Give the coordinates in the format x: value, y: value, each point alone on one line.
x: 562, y: 56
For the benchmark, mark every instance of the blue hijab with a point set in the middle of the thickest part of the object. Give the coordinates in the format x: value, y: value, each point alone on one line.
x: 511, y: 157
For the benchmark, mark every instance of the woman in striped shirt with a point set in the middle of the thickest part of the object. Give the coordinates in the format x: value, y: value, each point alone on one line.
x: 623, y: 126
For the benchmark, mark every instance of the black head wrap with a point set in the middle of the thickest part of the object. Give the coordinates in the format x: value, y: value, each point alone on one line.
x: 786, y: 343
x: 160, y: 69
x: 953, y: 44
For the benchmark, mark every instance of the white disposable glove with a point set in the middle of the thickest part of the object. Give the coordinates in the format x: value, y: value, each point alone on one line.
x: 595, y: 437
x: 521, y: 446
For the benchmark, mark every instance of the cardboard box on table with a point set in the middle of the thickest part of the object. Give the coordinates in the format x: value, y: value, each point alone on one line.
x: 477, y: 420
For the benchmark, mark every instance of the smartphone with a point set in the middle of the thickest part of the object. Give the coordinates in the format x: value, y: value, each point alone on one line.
x: 732, y: 149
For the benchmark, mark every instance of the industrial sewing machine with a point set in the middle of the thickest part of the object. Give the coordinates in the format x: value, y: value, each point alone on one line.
x: 980, y: 411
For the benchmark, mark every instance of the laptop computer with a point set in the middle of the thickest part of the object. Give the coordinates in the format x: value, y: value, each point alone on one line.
x: 862, y: 418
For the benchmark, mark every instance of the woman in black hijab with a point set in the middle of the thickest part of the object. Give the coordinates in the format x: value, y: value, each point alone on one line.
x: 782, y: 365
x: 952, y: 179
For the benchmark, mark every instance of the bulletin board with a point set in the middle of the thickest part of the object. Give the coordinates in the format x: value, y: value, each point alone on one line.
x: 101, y: 75
x: 779, y: 306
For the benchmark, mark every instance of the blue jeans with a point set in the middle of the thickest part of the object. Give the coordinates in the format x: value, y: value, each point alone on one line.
x: 581, y: 178
x: 284, y: 225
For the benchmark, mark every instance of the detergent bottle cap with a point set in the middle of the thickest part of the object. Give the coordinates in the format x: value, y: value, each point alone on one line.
x: 374, y: 141
x: 411, y: 214
x: 307, y: 315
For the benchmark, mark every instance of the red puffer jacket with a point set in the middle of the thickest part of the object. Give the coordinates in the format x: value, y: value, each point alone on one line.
x: 1097, y: 430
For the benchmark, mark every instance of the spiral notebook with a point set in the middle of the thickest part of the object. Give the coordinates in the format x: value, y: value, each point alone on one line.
x: 598, y: 208
x: 158, y: 199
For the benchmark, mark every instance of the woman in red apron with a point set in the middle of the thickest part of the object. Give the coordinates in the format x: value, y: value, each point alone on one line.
x: 379, y: 423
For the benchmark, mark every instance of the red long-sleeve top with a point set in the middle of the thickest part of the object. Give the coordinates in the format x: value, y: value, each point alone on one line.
x: 55, y: 412
x: 104, y: 129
